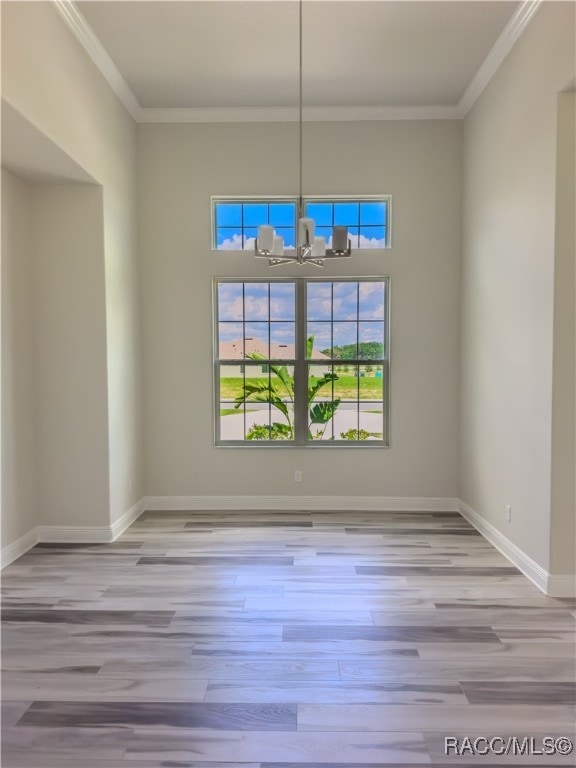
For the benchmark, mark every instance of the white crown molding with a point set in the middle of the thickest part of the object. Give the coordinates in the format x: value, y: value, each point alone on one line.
x: 299, y: 503
x: 19, y: 547
x: 551, y: 584
x: 94, y: 48
x: 290, y: 114
x: 501, y: 48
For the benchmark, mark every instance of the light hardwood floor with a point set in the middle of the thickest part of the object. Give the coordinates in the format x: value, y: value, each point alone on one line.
x: 277, y: 640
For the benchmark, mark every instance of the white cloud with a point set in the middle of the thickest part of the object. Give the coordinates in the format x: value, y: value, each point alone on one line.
x: 372, y: 242
x: 232, y: 244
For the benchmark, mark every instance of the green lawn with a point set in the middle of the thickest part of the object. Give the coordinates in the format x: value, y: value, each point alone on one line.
x: 346, y: 388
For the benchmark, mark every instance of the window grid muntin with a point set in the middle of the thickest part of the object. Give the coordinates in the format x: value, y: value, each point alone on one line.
x: 354, y: 227
x: 246, y: 201
x: 330, y: 200
x: 300, y: 365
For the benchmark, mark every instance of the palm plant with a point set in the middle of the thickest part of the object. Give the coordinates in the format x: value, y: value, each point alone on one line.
x: 280, y: 395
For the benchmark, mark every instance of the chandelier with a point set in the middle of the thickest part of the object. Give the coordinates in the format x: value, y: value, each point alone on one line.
x: 308, y: 249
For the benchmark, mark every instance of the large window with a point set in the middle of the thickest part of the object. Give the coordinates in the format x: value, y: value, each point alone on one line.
x: 301, y: 362
x: 236, y: 221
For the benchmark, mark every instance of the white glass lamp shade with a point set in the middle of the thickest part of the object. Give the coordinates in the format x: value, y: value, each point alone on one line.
x: 319, y: 247
x: 340, y: 239
x: 278, y: 249
x: 265, y: 238
x: 305, y: 231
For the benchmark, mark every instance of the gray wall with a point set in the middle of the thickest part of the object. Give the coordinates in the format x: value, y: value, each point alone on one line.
x: 19, y: 499
x: 180, y: 167
x: 49, y: 80
x: 508, y: 284
x: 563, y: 502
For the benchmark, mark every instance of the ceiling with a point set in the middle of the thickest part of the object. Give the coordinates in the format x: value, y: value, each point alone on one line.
x: 243, y: 53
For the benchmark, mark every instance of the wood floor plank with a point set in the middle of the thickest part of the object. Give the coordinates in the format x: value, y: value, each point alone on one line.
x: 152, y: 715
x: 219, y: 669
x: 389, y: 717
x: 277, y: 640
x: 367, y: 748
x: 69, y: 687
x: 474, y: 668
x: 406, y: 634
x: 436, y: 692
x: 519, y: 692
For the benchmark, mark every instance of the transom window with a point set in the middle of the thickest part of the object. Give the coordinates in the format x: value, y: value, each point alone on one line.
x: 301, y: 362
x: 236, y: 221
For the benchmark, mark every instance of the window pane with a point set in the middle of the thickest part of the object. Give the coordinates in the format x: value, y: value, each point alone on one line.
x: 231, y: 417
x: 230, y: 301
x: 371, y: 421
x: 230, y: 344
x: 282, y: 301
x: 229, y: 239
x: 372, y: 237
x: 370, y: 382
x: 346, y: 421
x: 231, y: 378
x: 321, y: 213
x: 269, y: 402
x: 282, y: 341
x: 322, y: 405
x: 255, y: 214
x: 319, y: 301
x: 256, y: 301
x: 371, y: 336
x: 345, y: 301
x: 347, y: 214
x: 256, y: 340
x: 371, y: 301
x: 257, y: 421
x: 321, y: 335
x: 346, y: 385
x: 345, y: 346
x: 353, y: 237
x: 373, y: 213
x: 324, y: 232
x: 288, y: 235
x: 250, y: 235
x: 228, y: 214
x: 283, y: 215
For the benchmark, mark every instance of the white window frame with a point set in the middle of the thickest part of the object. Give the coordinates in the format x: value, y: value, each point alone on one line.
x: 300, y: 364
x: 240, y: 199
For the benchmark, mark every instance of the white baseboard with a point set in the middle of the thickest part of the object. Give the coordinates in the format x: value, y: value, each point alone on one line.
x: 19, y: 547
x: 126, y: 520
x: 300, y: 503
x: 550, y: 584
x: 70, y: 534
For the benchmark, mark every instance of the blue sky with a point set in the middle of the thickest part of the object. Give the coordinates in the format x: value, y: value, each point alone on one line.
x: 237, y: 223
x: 357, y: 309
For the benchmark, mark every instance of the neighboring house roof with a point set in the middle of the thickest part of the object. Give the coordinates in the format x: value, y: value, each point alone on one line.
x: 236, y: 350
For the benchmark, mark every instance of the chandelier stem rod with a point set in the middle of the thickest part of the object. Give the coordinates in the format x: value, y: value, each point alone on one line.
x: 300, y: 116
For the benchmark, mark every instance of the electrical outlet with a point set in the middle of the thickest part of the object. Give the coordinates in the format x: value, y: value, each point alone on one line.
x: 297, y: 475
x: 508, y: 513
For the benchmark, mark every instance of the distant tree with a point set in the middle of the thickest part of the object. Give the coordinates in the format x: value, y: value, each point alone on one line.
x: 366, y: 350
